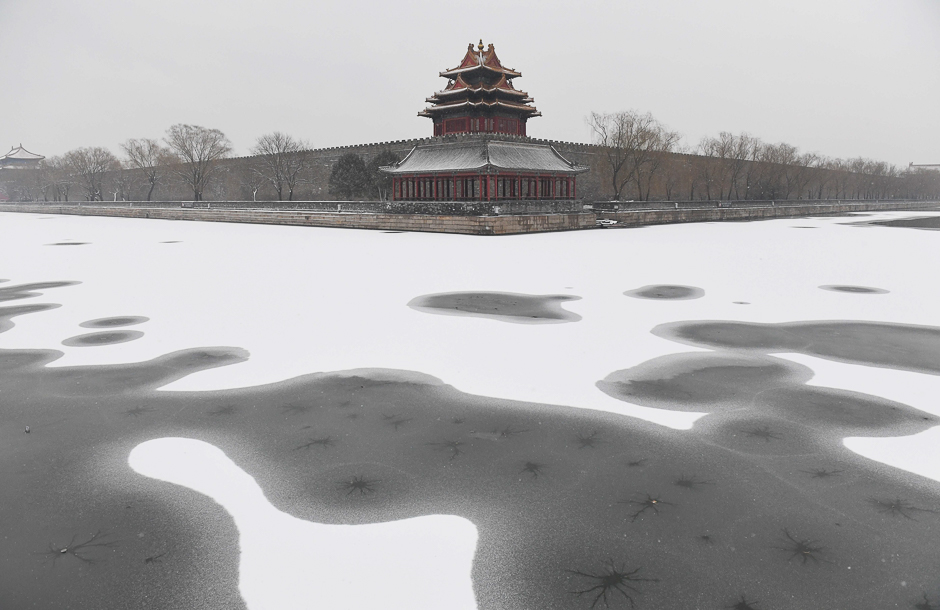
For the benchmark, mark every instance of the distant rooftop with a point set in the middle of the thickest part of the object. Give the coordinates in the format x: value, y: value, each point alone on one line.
x: 20, y: 154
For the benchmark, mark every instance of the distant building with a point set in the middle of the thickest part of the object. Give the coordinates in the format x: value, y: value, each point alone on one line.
x: 481, y: 152
x: 20, y: 158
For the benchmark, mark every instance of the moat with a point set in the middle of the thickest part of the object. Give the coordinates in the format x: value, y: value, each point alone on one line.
x: 711, y: 415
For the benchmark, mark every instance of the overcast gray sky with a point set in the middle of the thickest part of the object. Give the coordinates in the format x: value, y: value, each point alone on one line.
x: 841, y: 77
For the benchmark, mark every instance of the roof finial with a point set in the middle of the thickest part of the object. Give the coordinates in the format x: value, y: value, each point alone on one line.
x: 480, y: 46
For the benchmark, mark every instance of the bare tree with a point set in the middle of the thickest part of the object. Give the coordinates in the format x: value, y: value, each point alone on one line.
x: 741, y: 151
x: 46, y: 179
x: 150, y: 159
x: 89, y: 165
x: 198, y: 149
x: 282, y: 161
x: 714, y: 167
x: 252, y: 180
x: 59, y: 176
x: 653, y: 150
x: 614, y: 133
x: 632, y: 143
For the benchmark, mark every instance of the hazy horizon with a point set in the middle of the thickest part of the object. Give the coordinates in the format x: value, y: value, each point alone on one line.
x: 844, y: 79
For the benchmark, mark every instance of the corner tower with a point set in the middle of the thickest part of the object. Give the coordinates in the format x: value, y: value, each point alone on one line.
x: 480, y: 98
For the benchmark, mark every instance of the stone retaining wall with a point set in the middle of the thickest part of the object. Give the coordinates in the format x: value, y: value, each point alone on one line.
x: 637, y: 218
x: 437, y: 208
x: 470, y: 225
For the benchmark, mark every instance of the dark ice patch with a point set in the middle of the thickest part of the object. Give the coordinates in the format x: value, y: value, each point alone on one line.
x: 929, y: 223
x: 503, y: 306
x: 666, y: 292
x: 114, y: 322
x: 69, y: 243
x: 138, y: 376
x: 897, y: 346
x: 7, y: 313
x: 108, y: 338
x: 25, y: 291
x: 759, y: 387
x: 700, y: 381
x: 171, y: 242
x: 844, y: 413
x: 854, y: 289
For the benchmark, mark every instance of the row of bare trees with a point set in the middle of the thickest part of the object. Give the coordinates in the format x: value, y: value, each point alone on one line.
x: 644, y: 160
x: 743, y: 167
x: 188, y: 154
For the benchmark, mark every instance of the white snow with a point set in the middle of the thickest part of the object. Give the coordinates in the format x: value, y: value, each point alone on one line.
x: 291, y: 564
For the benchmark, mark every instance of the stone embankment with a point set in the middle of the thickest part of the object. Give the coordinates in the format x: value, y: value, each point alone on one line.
x: 471, y: 225
x: 660, y: 213
x: 352, y: 215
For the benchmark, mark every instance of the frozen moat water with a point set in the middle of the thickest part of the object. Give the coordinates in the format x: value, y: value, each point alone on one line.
x: 694, y: 454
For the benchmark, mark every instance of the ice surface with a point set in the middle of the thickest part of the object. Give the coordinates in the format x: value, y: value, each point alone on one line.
x: 303, y: 300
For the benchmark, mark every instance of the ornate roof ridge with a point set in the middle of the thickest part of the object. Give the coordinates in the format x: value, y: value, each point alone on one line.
x: 459, y: 85
x: 478, y: 59
x: 531, y: 110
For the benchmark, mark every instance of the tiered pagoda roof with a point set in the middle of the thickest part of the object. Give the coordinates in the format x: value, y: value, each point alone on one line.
x: 480, y: 87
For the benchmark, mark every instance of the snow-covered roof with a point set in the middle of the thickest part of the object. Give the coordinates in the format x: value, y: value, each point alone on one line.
x: 480, y: 59
x: 531, y: 110
x: 18, y: 152
x: 483, y: 154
